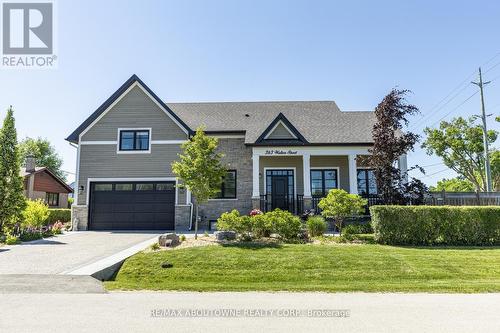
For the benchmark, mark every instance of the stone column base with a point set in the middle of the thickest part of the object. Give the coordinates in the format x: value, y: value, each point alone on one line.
x: 182, y: 216
x: 255, y: 202
x: 307, y: 203
x: 79, y: 217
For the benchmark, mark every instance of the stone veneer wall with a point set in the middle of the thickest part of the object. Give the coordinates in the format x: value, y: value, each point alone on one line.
x: 182, y: 215
x: 237, y: 157
x: 81, y: 213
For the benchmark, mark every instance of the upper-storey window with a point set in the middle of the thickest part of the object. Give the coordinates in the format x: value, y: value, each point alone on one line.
x: 134, y: 140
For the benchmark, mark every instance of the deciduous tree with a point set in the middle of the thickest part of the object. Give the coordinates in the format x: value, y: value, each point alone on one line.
x: 200, y: 168
x: 459, y: 143
x: 44, y: 153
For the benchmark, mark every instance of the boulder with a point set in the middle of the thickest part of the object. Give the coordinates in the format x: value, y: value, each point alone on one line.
x: 225, y: 235
x: 168, y: 240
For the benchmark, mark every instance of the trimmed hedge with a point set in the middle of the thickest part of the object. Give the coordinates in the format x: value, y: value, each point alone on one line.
x: 436, y: 225
x: 58, y: 214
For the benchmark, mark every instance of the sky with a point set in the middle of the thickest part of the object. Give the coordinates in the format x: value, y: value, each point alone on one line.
x: 352, y: 52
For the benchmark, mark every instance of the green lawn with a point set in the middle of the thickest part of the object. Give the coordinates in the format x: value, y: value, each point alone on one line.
x: 333, y: 268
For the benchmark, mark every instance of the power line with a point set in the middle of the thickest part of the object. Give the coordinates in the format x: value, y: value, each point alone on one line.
x: 454, y: 109
x: 435, y: 173
x: 430, y: 114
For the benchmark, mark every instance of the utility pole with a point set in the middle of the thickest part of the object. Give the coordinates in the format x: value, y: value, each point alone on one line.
x: 487, y: 167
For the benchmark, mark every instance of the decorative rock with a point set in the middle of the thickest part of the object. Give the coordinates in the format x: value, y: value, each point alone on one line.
x: 166, y: 264
x: 225, y: 235
x: 168, y: 240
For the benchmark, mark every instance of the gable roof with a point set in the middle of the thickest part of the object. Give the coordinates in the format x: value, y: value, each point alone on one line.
x: 319, y: 122
x: 296, y: 137
x: 25, y: 173
x: 74, y: 137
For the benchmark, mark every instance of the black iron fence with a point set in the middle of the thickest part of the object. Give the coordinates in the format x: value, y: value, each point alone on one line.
x: 285, y: 202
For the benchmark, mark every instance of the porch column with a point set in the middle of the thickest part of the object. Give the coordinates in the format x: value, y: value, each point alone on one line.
x: 403, y: 167
x: 353, y: 175
x: 255, y: 176
x: 306, y: 166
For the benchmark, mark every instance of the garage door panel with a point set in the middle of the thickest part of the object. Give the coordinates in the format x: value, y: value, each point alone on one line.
x: 133, y: 210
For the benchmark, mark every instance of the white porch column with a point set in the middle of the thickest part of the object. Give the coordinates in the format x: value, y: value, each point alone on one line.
x: 255, y: 176
x: 306, y: 166
x: 403, y: 167
x: 353, y: 175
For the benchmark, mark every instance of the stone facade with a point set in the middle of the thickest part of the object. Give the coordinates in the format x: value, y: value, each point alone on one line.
x: 79, y: 217
x: 237, y: 156
x: 182, y: 215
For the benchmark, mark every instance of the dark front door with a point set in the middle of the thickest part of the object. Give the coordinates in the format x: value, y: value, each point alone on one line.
x: 280, y: 192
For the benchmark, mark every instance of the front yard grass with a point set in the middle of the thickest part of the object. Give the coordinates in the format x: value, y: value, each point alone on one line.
x: 331, y: 268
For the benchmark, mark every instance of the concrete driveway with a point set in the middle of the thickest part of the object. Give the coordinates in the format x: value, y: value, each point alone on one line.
x: 67, y: 252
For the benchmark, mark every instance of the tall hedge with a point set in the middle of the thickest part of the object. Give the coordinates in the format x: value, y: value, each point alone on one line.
x: 436, y: 225
x: 59, y: 214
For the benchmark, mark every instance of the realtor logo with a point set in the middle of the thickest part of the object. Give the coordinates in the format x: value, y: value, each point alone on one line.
x: 28, y: 34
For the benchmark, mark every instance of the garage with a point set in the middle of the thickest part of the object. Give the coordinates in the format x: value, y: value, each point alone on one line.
x: 132, y: 205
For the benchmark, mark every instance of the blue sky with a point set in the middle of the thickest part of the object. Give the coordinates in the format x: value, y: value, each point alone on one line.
x: 352, y: 52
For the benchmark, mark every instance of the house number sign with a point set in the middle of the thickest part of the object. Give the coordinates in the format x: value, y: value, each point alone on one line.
x: 280, y: 152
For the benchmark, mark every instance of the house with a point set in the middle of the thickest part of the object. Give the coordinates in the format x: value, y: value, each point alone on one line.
x: 278, y: 155
x: 41, y: 183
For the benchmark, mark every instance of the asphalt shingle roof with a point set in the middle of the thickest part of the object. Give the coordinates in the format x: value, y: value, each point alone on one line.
x: 317, y: 121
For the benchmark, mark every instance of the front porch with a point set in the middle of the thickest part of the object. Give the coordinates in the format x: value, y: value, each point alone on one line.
x: 296, y: 178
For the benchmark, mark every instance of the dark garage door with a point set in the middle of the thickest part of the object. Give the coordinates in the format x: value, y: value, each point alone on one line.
x: 132, y: 206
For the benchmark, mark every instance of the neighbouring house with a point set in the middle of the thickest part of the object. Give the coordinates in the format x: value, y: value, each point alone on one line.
x: 41, y: 183
x: 278, y: 155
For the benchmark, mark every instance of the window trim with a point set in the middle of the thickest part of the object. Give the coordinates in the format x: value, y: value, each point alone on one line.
x: 337, y: 170
x: 366, y: 169
x: 134, y: 151
x: 49, y: 202
x: 235, y: 187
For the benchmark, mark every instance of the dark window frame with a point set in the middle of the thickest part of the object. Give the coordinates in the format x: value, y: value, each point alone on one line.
x: 366, y: 171
x: 52, y: 199
x: 134, y: 140
x: 323, y: 179
x: 222, y: 194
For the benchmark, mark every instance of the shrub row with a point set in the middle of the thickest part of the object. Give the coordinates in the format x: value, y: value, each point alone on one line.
x: 283, y: 223
x: 436, y: 225
x: 59, y: 214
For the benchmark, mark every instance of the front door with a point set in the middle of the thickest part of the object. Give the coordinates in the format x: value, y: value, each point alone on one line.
x: 280, y: 192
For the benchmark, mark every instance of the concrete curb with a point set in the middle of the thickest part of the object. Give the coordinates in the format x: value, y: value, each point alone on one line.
x: 105, y: 268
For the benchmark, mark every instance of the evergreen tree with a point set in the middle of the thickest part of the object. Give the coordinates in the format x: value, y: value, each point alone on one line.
x: 12, y: 199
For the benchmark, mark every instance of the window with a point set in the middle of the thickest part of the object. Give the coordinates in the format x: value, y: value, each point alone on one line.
x: 165, y: 187
x: 103, y: 187
x: 144, y: 187
x: 52, y: 199
x: 228, y: 186
x: 323, y: 181
x: 124, y: 187
x: 131, y: 140
x: 367, y: 185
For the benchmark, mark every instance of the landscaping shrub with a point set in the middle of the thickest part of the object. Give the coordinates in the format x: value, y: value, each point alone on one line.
x: 35, y: 214
x: 11, y: 240
x: 57, y: 228
x: 29, y: 235
x: 436, y: 225
x: 59, y: 214
x: 316, y: 226
x: 284, y: 223
x: 261, y: 226
x: 339, y: 205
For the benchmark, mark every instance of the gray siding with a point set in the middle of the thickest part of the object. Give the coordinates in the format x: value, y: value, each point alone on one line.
x: 237, y: 157
x: 280, y: 132
x: 102, y: 161
x: 135, y: 109
x: 341, y: 162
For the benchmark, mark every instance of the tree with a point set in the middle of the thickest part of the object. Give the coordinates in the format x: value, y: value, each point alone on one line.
x: 339, y: 205
x: 12, y: 201
x: 495, y: 169
x: 453, y: 185
x: 35, y: 214
x: 44, y: 153
x: 200, y: 169
x: 390, y: 142
x: 459, y: 143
